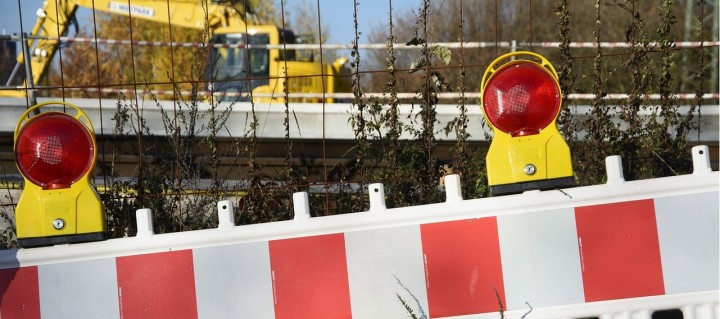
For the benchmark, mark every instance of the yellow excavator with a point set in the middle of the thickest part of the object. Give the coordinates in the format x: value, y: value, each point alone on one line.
x: 235, y: 67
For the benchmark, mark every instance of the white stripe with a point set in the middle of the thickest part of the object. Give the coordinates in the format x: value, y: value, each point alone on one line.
x: 83, y: 289
x: 381, y: 264
x: 234, y: 281
x: 688, y: 236
x: 540, y: 259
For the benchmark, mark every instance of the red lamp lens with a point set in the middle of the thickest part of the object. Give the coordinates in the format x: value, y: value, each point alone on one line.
x: 521, y: 99
x: 54, y: 150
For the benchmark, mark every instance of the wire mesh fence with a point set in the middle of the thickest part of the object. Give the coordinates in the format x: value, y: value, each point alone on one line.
x: 641, y: 81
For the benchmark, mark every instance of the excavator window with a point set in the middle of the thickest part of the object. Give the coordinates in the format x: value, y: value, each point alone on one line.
x: 287, y: 37
x: 234, y: 67
x: 259, y: 57
x: 228, y: 62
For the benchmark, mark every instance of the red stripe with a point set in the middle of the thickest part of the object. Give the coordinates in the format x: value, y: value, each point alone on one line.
x: 310, y: 277
x: 160, y: 285
x: 463, y: 267
x: 619, y: 250
x: 19, y: 290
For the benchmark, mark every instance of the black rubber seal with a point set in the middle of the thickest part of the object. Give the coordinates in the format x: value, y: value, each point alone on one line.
x: 555, y: 183
x: 59, y: 240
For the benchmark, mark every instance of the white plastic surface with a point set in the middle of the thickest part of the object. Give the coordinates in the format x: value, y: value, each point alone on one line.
x: 614, y: 169
x: 376, y: 192
x: 301, y: 206
x: 453, y: 188
x: 144, y: 222
x: 226, y: 214
x: 701, y: 159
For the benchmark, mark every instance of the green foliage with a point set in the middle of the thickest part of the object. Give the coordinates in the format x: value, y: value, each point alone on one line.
x: 433, y: 83
x: 701, y: 67
x: 7, y: 211
x: 358, y: 202
x: 393, y: 176
x: 651, y: 145
x: 565, y: 75
x: 169, y: 178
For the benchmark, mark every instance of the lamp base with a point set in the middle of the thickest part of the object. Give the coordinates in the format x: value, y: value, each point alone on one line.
x: 58, y: 240
x: 555, y: 183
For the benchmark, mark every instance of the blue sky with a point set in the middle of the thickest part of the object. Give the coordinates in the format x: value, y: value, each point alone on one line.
x: 371, y: 13
x: 338, y: 14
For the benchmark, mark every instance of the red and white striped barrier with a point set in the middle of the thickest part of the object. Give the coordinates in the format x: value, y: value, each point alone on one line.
x: 623, y: 247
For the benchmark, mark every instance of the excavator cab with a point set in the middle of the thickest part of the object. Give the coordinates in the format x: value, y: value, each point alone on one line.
x: 235, y: 69
x: 241, y: 62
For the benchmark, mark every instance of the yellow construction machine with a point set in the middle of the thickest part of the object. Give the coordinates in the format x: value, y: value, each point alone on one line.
x: 236, y: 67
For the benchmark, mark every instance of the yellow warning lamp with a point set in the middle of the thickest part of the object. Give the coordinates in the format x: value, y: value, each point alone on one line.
x: 521, y: 100
x: 55, y: 152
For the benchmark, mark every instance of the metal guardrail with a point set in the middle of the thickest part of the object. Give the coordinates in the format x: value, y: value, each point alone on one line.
x: 309, y: 119
x: 373, y: 46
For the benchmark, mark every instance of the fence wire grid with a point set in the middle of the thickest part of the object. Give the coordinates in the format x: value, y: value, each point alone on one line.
x: 643, y: 72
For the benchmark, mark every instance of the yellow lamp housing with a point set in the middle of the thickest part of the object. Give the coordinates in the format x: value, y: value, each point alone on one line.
x: 55, y: 152
x: 521, y: 101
